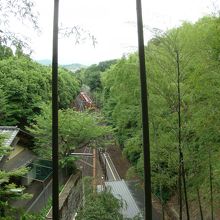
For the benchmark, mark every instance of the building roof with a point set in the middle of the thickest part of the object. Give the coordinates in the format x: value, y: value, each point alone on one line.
x: 9, y: 133
x: 137, y: 192
x: 121, y: 191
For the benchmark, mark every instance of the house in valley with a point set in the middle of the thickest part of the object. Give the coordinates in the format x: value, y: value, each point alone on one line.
x: 20, y: 154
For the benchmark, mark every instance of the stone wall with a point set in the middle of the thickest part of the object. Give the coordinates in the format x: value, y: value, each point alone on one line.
x: 70, y: 198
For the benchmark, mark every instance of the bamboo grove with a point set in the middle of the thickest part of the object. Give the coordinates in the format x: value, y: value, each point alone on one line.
x: 184, y: 108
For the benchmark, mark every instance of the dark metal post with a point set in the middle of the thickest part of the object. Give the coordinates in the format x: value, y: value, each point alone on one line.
x: 55, y: 186
x: 145, y: 122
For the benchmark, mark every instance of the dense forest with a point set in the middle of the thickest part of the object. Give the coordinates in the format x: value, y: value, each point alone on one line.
x: 26, y: 86
x: 25, y: 98
x: 183, y: 79
x: 26, y: 102
x: 183, y: 66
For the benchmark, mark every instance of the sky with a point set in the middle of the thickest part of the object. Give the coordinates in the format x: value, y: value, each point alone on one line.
x: 111, y: 22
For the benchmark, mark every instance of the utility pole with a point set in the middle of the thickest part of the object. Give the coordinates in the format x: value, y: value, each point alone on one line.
x: 55, y: 147
x: 145, y: 120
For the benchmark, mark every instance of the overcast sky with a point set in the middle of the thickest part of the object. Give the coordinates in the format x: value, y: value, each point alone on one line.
x: 112, y: 22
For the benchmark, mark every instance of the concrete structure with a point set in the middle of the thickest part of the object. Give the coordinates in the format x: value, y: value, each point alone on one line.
x: 121, y: 191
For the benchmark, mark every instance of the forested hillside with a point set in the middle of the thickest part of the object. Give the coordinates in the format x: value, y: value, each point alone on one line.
x: 26, y: 85
x: 25, y: 101
x: 183, y: 76
x: 90, y: 79
x: 25, y: 95
x: 184, y: 88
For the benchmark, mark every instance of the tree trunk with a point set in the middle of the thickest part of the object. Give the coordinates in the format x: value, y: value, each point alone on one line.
x: 211, y: 188
x: 180, y: 189
x: 162, y: 203
x: 181, y: 159
x: 185, y: 192
x: 200, y: 205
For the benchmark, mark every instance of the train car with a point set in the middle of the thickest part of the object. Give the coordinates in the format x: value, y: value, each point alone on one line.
x: 83, y: 102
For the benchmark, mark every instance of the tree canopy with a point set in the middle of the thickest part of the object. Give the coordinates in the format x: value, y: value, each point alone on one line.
x: 195, y: 50
x: 26, y: 85
x: 99, y: 206
x: 76, y: 129
x: 8, y: 188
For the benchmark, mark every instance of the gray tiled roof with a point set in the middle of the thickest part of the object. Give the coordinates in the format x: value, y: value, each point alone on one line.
x: 9, y: 133
x: 120, y: 190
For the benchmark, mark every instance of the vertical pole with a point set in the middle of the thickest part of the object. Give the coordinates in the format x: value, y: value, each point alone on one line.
x: 145, y: 122
x: 55, y: 185
x: 94, y: 170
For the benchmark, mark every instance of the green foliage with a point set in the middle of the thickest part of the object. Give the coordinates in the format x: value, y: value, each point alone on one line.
x: 75, y: 130
x: 91, y: 76
x: 5, y: 52
x: 121, y: 94
x: 198, y: 48
x: 132, y: 149
x: 4, y: 106
x: 68, y: 88
x: 38, y: 216
x: 26, y: 85
x: 99, y: 206
x: 8, y: 189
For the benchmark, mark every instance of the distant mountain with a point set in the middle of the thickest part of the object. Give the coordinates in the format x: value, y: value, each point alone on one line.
x: 45, y: 62
x: 73, y: 67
